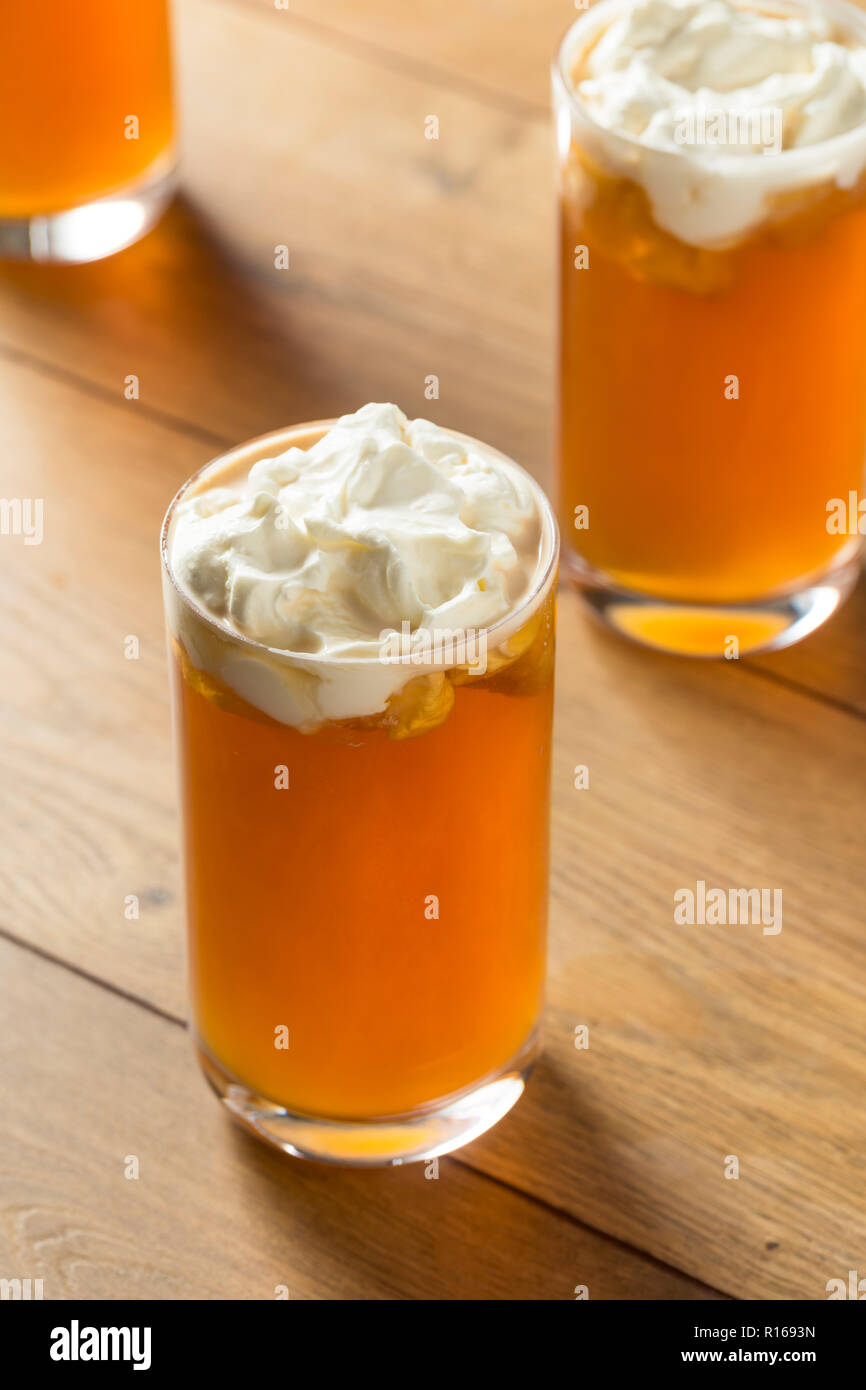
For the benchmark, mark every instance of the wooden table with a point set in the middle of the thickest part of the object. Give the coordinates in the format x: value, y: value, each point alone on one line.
x: 408, y: 257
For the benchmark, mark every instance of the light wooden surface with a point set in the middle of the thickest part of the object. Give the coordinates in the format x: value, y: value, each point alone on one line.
x: 408, y: 257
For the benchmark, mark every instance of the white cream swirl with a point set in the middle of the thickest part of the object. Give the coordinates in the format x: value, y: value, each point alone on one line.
x: 710, y: 78
x: 317, y: 553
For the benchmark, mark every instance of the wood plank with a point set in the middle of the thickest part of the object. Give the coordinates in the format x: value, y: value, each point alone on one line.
x: 90, y: 1079
x: 833, y: 661
x: 501, y: 49
x: 86, y: 778
x: 705, y: 1041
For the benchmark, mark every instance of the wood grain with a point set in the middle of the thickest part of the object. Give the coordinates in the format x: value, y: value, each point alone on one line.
x: 832, y: 662
x: 705, y: 1041
x: 499, y: 49
x: 91, y: 1080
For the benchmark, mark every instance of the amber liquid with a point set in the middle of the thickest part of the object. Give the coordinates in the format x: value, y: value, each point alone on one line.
x: 692, y: 495
x: 71, y: 75
x: 389, y: 907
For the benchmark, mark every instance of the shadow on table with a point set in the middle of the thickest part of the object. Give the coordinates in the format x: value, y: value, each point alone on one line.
x: 220, y: 343
x: 402, y: 1233
x: 396, y: 1233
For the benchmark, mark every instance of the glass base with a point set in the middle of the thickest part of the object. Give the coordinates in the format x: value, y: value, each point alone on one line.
x: 376, y: 1143
x: 713, y: 631
x: 90, y: 231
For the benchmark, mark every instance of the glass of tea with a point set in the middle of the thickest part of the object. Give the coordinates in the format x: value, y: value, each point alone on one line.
x: 361, y: 627
x: 712, y: 267
x: 86, y: 127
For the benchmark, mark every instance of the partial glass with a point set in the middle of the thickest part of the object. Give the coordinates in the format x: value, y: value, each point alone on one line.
x: 712, y: 402
x: 86, y: 127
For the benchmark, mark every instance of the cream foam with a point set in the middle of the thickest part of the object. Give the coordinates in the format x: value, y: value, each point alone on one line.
x: 316, y: 553
x: 704, y: 79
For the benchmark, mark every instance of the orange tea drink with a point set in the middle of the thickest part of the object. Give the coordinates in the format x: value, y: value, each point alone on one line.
x: 712, y: 172
x: 361, y: 628
x: 86, y: 126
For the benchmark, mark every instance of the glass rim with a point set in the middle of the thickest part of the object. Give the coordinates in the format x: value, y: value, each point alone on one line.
x: 849, y: 17
x: 545, y: 573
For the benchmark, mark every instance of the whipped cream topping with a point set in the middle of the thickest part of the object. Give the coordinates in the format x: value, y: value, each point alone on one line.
x: 665, y: 59
x: 317, y: 553
x: 709, y: 78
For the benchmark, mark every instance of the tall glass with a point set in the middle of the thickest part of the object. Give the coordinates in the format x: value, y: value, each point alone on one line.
x: 366, y: 898
x: 86, y: 126
x: 712, y: 415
